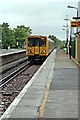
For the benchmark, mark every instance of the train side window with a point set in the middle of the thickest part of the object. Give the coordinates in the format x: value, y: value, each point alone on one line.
x: 43, y: 42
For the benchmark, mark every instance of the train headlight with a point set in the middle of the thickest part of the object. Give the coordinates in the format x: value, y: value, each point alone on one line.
x: 29, y: 51
x: 44, y: 51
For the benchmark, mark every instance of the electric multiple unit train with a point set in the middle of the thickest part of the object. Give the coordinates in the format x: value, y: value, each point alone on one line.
x: 38, y: 47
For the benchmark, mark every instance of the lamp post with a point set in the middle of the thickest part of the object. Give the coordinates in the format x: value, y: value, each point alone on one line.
x: 77, y: 12
x: 67, y: 32
x: 71, y: 28
x: 65, y: 41
x: 74, y: 8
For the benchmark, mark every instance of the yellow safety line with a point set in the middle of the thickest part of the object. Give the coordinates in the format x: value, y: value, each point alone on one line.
x: 75, y: 62
x: 43, y: 104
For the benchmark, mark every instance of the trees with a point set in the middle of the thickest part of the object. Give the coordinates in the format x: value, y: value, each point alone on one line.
x: 14, y: 37
x: 20, y: 34
x: 57, y: 42
x: 5, y: 35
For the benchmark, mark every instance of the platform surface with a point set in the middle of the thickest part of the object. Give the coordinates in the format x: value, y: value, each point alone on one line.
x: 62, y: 101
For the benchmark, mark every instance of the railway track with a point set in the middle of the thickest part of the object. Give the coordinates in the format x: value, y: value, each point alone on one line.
x: 11, y: 85
x: 13, y: 74
x: 9, y: 68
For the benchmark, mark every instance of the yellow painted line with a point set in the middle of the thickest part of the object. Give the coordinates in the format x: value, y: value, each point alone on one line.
x: 43, y: 104
x: 75, y: 62
x: 47, y: 87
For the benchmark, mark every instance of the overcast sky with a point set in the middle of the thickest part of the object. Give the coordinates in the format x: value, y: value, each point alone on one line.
x: 44, y: 17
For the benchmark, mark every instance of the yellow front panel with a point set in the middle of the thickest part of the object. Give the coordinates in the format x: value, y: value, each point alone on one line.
x: 44, y: 48
x: 30, y: 51
x: 41, y: 51
x: 36, y: 49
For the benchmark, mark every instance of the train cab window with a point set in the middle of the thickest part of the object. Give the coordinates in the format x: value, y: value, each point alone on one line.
x: 30, y: 42
x: 36, y: 42
x: 33, y: 42
x: 43, y: 42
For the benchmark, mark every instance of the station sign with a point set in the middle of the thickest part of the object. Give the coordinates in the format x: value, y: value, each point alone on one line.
x: 75, y: 24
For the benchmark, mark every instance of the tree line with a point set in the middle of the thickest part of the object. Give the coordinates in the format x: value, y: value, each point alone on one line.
x: 57, y: 42
x: 14, y: 38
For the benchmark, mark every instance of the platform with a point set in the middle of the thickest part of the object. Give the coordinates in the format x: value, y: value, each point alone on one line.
x: 51, y: 93
x: 4, y: 52
x: 62, y: 101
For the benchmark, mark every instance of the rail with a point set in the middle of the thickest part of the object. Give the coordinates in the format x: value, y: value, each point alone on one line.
x: 13, y: 74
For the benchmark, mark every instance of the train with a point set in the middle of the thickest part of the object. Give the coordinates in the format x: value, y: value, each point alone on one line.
x: 38, y: 47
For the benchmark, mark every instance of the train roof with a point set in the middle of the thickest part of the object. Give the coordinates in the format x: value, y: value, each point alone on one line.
x: 36, y: 36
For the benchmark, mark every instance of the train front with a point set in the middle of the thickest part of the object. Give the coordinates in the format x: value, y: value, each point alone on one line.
x: 37, y: 48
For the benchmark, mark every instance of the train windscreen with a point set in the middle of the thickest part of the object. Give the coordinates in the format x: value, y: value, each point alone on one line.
x: 36, y: 42
x: 43, y: 42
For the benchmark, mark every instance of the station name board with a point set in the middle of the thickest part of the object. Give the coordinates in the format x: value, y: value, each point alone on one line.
x: 75, y: 23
